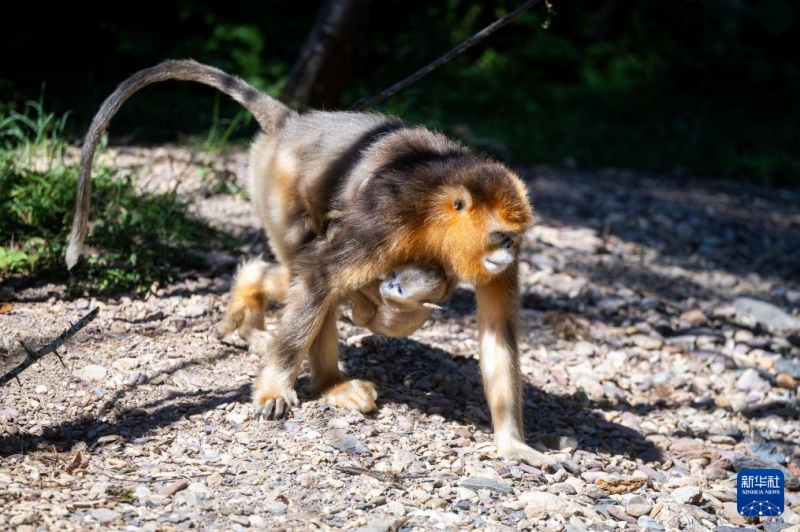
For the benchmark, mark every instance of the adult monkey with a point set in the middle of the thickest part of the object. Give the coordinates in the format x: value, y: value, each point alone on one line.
x: 404, y: 195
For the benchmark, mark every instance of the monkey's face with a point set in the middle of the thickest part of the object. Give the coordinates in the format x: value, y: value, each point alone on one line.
x: 480, y: 222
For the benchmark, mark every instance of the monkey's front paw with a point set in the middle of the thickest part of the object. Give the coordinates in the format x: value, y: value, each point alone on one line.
x: 521, y: 451
x: 354, y: 394
x: 271, y: 398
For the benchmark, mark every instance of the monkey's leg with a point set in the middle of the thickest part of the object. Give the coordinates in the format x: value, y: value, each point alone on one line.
x: 300, y: 324
x: 327, y: 379
x: 246, y: 310
x: 363, y: 308
x: 498, y: 323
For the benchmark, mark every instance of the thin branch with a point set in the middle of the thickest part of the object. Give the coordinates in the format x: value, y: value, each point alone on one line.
x: 430, y: 67
x: 33, y: 356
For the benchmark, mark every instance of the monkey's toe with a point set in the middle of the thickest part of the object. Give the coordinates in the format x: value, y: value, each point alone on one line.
x: 353, y: 394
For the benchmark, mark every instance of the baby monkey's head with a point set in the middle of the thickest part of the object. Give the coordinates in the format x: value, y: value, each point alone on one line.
x: 415, y: 285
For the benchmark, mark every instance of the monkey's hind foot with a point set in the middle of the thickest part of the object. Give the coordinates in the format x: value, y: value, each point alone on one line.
x: 255, y: 284
x: 273, y: 397
x: 521, y: 451
x: 354, y: 394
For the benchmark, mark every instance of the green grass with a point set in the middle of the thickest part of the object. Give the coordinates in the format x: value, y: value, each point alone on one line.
x: 135, y: 240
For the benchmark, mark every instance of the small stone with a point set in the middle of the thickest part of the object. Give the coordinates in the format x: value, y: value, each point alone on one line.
x: 40, y: 389
x: 234, y: 418
x: 194, y: 311
x: 646, y: 523
x: 104, y: 515
x: 379, y: 500
x: 376, y: 526
x: 644, y: 341
x: 694, y: 317
x: 125, y: 363
x: 791, y: 367
x: 687, y: 495
x: 476, y: 483
x: 617, y: 484
x: 172, y: 488
x: 766, y: 313
x: 338, y: 423
x: 562, y: 487
x: 92, y: 372
x: 751, y: 381
x: 619, y: 514
x: 401, y: 460
x: 350, y: 445
x: 21, y: 519
x: 785, y: 381
x: 638, y: 506
x: 591, y: 386
x: 539, y: 504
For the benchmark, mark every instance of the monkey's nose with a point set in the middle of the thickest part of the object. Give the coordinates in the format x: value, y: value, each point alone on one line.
x: 501, y: 238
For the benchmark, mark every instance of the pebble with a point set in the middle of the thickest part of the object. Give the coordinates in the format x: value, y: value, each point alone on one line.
x: 687, y: 495
x: 126, y: 363
x: 618, y: 484
x: 351, y: 445
x: 172, y: 488
x: 92, y: 372
x: 539, y: 504
x: 476, y: 483
x: 646, y: 523
x: 104, y: 515
x: 638, y: 506
x: 750, y: 381
x: 766, y: 313
x: 789, y: 367
x: 562, y: 487
x: 786, y: 381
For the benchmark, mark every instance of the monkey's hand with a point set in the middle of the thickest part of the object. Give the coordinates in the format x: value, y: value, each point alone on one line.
x: 517, y: 449
x: 354, y: 394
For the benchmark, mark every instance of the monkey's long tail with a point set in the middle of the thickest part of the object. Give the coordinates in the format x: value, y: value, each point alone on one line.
x: 269, y: 113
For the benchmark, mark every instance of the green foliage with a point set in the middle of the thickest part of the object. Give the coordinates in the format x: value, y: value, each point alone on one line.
x: 699, y: 85
x: 139, y: 239
x: 705, y: 86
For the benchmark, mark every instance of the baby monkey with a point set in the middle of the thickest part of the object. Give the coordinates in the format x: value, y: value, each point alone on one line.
x: 399, y: 305
x: 394, y: 306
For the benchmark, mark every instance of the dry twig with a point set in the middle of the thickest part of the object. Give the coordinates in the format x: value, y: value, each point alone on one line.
x: 34, y: 356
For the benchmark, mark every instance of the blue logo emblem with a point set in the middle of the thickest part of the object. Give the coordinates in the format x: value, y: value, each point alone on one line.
x: 759, y: 492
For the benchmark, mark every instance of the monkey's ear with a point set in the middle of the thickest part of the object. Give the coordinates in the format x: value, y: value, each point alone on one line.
x: 462, y: 199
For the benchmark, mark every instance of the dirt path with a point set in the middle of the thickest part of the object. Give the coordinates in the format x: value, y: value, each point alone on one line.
x: 661, y: 351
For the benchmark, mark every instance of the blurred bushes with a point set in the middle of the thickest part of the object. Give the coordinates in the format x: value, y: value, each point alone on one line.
x: 705, y: 86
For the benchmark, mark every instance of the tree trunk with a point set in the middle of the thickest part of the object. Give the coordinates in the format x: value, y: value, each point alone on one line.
x: 328, y: 56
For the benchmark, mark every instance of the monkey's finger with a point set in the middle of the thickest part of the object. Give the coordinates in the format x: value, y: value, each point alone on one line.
x: 268, y: 409
x: 281, y: 408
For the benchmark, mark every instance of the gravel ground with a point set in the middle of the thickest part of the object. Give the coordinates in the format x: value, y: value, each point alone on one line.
x: 661, y: 354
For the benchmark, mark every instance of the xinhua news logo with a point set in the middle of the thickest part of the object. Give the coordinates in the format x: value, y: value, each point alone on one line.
x: 759, y: 492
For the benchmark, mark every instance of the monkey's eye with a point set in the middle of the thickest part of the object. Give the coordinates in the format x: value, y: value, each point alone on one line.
x: 399, y: 290
x: 459, y: 205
